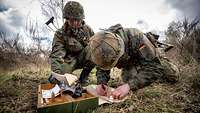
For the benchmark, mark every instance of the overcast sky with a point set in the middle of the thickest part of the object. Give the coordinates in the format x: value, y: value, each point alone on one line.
x: 147, y: 15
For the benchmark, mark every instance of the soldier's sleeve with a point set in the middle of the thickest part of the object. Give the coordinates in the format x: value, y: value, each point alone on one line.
x: 88, y: 65
x: 87, y: 33
x: 149, y: 69
x: 102, y: 76
x: 58, y: 53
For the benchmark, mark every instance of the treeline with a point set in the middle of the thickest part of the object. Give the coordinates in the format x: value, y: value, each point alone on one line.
x: 185, y: 36
x: 17, y: 51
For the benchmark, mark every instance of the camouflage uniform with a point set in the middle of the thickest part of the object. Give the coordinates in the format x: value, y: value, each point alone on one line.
x: 140, y: 62
x: 68, y: 49
x: 69, y: 43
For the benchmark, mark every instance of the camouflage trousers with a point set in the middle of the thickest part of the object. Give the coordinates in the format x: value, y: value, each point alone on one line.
x: 139, y: 77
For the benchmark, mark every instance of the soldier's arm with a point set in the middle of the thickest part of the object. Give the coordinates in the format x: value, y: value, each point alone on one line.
x: 88, y: 65
x: 102, y: 76
x: 86, y: 33
x: 58, y: 53
x: 150, y: 68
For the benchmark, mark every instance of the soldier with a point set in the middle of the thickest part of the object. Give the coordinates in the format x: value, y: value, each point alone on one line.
x: 68, y: 48
x: 130, y: 50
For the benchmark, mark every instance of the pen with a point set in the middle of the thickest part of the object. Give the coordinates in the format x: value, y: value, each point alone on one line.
x: 102, y: 85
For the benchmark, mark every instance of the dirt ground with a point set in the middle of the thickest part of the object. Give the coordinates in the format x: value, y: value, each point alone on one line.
x: 18, y: 90
x: 18, y: 94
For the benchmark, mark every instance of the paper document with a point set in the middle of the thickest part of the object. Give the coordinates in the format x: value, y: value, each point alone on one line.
x: 67, y: 78
x: 48, y: 93
x: 104, y: 99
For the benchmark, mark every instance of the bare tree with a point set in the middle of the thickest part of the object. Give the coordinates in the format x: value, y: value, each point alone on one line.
x: 11, y: 44
x: 186, y: 36
x: 53, y: 8
x: 35, y: 34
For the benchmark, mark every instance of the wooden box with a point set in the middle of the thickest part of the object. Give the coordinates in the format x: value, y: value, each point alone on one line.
x: 65, y: 103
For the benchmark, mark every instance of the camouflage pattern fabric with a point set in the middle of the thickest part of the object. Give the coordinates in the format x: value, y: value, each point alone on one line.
x: 141, y: 76
x: 68, y: 48
x: 140, y: 63
x: 171, y: 72
x: 73, y: 10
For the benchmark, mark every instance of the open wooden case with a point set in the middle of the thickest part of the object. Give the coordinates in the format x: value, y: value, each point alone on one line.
x: 65, y: 103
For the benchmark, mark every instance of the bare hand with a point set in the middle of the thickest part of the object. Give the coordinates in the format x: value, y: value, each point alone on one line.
x: 121, y: 91
x: 101, y: 89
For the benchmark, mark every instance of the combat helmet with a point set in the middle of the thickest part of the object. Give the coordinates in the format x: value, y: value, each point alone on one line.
x: 105, y: 49
x: 73, y: 10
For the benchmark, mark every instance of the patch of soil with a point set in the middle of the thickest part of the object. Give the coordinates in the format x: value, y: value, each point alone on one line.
x: 19, y: 95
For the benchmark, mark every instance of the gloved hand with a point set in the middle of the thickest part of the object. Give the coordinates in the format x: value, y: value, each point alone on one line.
x: 77, y: 91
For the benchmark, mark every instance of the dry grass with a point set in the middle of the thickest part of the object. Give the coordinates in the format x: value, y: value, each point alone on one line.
x: 157, y: 98
x: 18, y: 89
x: 18, y: 93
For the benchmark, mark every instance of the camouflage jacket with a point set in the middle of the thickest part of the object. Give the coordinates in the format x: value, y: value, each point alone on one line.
x: 140, y: 54
x: 67, y: 45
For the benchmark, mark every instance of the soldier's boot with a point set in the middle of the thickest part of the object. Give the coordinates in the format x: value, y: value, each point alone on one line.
x: 171, y: 72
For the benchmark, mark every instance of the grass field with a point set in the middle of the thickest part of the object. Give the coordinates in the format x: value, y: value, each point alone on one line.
x: 18, y: 94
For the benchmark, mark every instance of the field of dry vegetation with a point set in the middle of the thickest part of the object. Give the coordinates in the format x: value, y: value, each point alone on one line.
x: 20, y: 75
